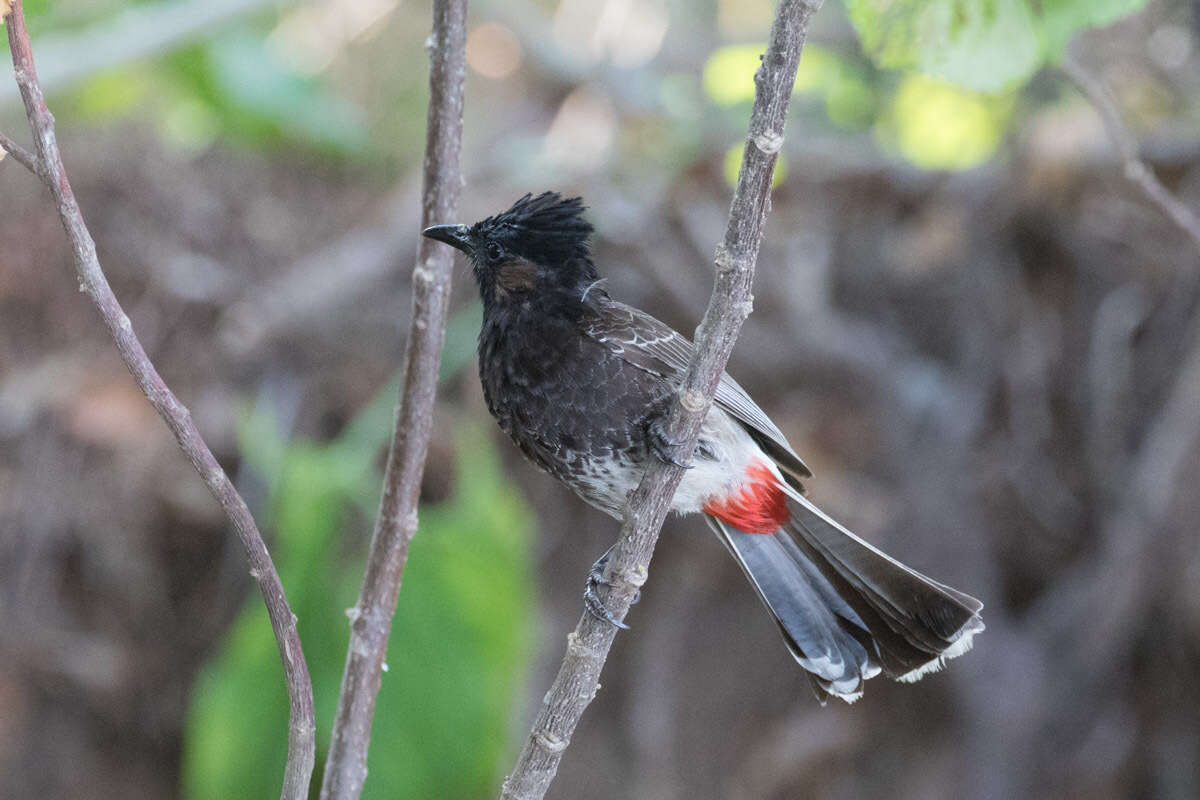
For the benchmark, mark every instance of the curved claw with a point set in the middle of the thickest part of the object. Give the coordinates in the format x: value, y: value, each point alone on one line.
x: 591, y: 600
x: 663, y: 448
x: 595, y: 606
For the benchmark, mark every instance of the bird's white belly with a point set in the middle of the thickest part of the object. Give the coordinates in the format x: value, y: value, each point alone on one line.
x: 719, y: 464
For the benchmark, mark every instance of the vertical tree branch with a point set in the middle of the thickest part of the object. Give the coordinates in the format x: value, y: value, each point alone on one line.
x: 589, y: 643
x: 396, y: 523
x: 49, y: 167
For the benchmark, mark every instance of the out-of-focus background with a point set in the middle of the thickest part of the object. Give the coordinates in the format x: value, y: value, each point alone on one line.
x: 981, y: 337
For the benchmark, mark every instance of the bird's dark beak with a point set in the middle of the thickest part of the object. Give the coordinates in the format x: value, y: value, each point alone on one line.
x: 457, y: 236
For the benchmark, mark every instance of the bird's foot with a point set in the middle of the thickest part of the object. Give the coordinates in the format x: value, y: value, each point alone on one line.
x: 591, y: 600
x: 663, y: 447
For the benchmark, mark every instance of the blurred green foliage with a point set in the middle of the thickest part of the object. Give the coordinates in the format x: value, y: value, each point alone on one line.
x: 937, y: 125
x: 460, y: 640
x: 234, y: 87
x: 259, y: 85
x: 984, y: 45
x: 729, y: 73
x: 936, y: 79
x: 733, y: 165
x: 846, y: 86
x: 843, y: 84
x: 930, y: 122
x: 247, y: 92
x: 231, y: 87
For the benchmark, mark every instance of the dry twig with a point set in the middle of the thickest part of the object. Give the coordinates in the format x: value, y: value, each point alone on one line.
x: 396, y: 523
x: 47, y: 165
x: 1136, y: 170
x: 22, y: 156
x: 589, y: 643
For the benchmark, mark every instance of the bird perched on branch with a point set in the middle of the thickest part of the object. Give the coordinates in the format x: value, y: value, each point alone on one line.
x: 583, y: 384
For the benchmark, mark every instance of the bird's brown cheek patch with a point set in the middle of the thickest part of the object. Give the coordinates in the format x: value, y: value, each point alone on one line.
x: 515, y: 276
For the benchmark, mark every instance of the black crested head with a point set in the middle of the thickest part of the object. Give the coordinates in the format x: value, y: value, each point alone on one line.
x: 538, y: 247
x: 548, y: 229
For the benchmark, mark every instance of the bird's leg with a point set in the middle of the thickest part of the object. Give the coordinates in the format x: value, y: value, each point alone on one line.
x: 661, y: 445
x: 592, y: 602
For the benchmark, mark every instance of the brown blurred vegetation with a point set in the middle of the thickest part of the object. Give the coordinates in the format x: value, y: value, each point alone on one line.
x: 994, y: 374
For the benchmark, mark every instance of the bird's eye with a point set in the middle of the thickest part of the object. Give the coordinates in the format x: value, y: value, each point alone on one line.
x: 494, y: 251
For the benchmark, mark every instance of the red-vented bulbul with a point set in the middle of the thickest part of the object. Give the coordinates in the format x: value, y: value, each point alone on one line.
x: 582, y: 384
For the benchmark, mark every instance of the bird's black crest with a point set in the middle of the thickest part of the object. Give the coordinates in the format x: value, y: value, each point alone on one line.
x: 548, y: 229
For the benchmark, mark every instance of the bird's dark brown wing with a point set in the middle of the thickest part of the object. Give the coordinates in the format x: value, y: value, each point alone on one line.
x: 648, y: 344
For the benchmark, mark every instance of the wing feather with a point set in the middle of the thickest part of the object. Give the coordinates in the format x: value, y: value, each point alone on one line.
x: 646, y: 343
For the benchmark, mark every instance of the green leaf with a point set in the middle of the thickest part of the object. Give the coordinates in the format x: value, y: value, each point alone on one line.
x: 460, y: 640
x: 984, y: 45
x: 992, y: 46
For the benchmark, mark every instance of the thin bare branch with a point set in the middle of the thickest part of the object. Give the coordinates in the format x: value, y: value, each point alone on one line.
x: 589, y: 643
x: 301, y: 728
x: 22, y: 156
x: 396, y: 523
x: 1136, y: 170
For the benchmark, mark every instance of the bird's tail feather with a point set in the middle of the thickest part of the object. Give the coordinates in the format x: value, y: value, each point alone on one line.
x: 846, y: 610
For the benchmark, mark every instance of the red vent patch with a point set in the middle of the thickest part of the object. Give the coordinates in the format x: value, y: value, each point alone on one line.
x: 756, y: 506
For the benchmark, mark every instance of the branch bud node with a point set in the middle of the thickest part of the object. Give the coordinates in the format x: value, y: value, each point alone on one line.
x: 724, y: 260
x: 422, y: 275
x: 769, y: 142
x: 550, y: 742
x: 692, y: 401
